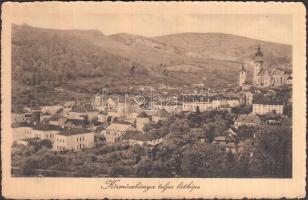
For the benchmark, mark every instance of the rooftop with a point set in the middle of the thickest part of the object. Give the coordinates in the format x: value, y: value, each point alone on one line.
x: 161, y: 113
x: 266, y: 101
x: 248, y: 118
x: 74, y: 131
x: 272, y: 116
x: 46, y: 127
x: 142, y: 115
x: 20, y: 124
x: 259, y: 52
x: 76, y: 121
x: 82, y: 108
x: 231, y: 131
x: 56, y: 116
x: 100, y: 129
x: 119, y: 126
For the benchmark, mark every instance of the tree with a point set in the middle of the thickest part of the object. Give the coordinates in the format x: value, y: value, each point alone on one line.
x: 273, y: 152
x: 144, y: 168
x: 210, y: 134
x: 29, y: 167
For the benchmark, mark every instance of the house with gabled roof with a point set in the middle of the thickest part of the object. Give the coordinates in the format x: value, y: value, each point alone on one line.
x: 160, y: 115
x: 57, y: 119
x: 250, y: 120
x: 116, y: 130
x: 137, y: 137
x: 80, y: 111
x: 229, y: 141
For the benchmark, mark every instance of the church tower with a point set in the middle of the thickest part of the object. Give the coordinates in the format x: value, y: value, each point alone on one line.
x: 258, y: 64
x: 242, y: 76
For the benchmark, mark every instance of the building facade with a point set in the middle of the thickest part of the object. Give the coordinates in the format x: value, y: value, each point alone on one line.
x: 73, y: 139
x: 160, y: 115
x: 115, y: 131
x: 250, y: 120
x: 262, y: 107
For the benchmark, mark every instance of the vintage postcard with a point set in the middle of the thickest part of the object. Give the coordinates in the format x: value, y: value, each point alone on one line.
x: 149, y: 100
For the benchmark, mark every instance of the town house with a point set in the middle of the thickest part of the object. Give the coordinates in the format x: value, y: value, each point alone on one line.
x: 160, y: 115
x: 250, y: 120
x: 265, y: 106
x: 137, y: 137
x: 116, y: 130
x: 73, y: 139
x: 21, y: 131
x: 45, y: 131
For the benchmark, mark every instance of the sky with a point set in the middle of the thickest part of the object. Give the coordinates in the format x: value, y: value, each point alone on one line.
x: 154, y: 20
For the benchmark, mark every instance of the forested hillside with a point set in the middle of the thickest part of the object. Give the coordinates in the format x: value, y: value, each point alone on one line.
x: 83, y: 61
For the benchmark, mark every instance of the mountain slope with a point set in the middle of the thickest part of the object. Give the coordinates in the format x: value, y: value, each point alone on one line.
x: 219, y: 46
x: 84, y: 61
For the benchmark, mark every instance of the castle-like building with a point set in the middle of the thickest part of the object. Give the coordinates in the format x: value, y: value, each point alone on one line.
x: 264, y: 76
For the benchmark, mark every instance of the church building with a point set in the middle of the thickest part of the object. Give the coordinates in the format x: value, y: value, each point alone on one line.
x: 265, y: 76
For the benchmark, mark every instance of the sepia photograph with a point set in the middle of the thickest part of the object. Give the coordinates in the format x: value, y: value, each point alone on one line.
x: 96, y: 93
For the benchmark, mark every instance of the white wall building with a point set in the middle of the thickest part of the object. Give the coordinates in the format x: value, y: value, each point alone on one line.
x: 73, y: 139
x: 263, y: 107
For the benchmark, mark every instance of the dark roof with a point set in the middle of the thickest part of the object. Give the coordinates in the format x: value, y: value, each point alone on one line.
x: 45, y: 114
x: 161, y: 113
x: 266, y: 101
x: 20, y: 124
x: 74, y: 131
x: 243, y: 68
x: 248, y: 118
x: 271, y: 116
x: 56, y: 117
x: 46, y: 127
x: 18, y: 110
x: 137, y: 135
x: 142, y: 115
x: 122, y: 122
x: 194, y: 98
x: 232, y: 131
x: 76, y: 121
x: 82, y: 108
x: 99, y: 129
x: 103, y: 112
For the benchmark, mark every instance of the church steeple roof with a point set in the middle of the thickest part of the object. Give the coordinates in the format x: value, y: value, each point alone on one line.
x: 259, y: 52
x: 243, y: 68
